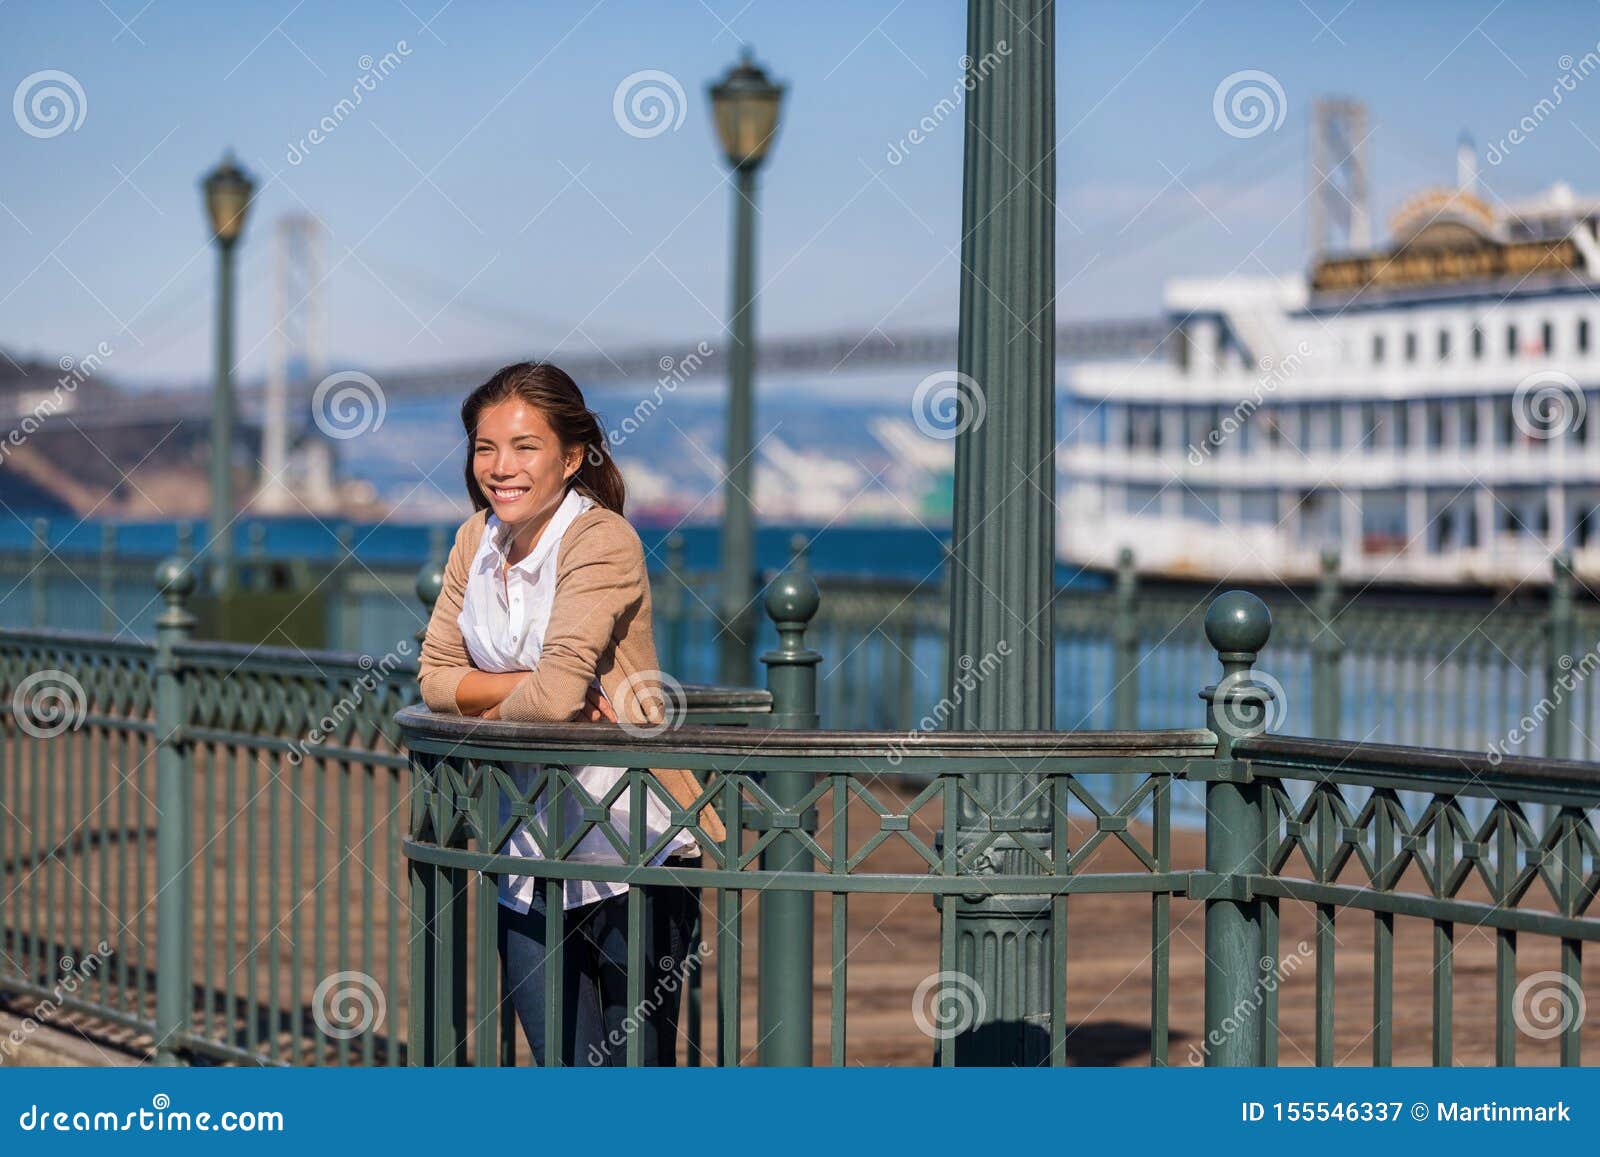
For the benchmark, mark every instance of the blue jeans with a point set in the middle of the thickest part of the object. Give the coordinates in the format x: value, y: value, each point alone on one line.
x: 594, y: 997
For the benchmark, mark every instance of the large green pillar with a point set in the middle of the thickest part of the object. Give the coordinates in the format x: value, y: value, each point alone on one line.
x: 1003, y: 526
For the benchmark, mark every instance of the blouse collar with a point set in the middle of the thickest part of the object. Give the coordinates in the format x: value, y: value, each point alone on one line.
x: 572, y: 505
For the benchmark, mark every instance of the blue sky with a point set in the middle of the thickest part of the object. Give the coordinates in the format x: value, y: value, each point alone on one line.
x: 483, y: 200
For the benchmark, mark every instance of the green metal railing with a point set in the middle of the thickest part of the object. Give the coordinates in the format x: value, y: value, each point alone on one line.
x: 1356, y: 831
x: 1418, y: 669
x: 342, y: 603
x: 199, y: 840
x: 200, y: 846
x: 1337, y: 811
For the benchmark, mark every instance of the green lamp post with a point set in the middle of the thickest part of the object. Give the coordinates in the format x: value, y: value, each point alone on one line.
x: 1002, y: 587
x: 744, y: 107
x: 228, y: 190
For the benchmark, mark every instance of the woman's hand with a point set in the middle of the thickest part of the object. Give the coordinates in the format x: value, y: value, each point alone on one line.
x: 596, y: 708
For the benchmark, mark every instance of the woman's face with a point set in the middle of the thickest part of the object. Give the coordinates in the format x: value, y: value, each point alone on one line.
x: 519, y: 462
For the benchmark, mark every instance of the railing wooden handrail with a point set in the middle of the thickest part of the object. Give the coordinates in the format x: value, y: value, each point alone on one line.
x: 1565, y: 781
x: 777, y: 748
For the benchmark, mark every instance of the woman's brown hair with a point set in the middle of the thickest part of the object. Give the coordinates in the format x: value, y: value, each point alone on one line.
x: 554, y: 394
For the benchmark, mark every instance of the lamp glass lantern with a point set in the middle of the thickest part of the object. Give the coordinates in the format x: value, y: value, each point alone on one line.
x: 228, y: 190
x: 744, y: 106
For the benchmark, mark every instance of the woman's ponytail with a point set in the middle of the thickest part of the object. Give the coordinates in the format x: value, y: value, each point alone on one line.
x: 598, y: 475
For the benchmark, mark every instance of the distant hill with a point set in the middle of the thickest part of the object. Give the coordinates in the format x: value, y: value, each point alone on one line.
x: 56, y: 460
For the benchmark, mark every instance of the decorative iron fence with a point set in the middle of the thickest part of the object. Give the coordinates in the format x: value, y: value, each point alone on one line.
x: 1419, y: 669
x: 199, y: 847
x: 1529, y: 863
x: 846, y: 817
x: 199, y: 840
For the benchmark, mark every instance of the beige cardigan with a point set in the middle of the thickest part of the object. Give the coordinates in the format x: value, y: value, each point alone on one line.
x: 599, y: 626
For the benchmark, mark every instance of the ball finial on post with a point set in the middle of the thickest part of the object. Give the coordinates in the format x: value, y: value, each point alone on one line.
x: 792, y: 599
x: 1238, y: 624
x: 430, y: 583
x: 175, y: 578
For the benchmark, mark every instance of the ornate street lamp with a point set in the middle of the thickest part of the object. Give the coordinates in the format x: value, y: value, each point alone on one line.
x: 228, y: 190
x: 745, y: 105
x: 744, y: 108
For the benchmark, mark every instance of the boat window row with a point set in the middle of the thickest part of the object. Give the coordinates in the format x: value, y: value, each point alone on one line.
x: 1510, y: 421
x: 1516, y: 341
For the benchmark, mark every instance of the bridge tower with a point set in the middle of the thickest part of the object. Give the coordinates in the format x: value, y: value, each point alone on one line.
x: 1341, y: 207
x: 299, y: 352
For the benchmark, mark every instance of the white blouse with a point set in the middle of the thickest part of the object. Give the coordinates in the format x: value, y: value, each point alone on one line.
x: 503, y: 626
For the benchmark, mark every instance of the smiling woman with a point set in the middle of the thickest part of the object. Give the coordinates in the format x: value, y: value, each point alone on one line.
x: 545, y: 616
